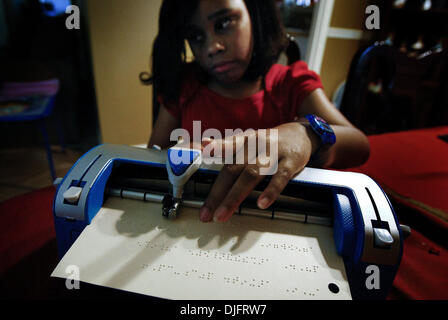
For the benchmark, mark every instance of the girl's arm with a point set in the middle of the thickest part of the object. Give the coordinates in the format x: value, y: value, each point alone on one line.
x: 296, y: 144
x: 163, y: 127
x: 351, y: 148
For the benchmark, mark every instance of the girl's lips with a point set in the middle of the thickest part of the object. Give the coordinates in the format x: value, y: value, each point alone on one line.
x: 224, y: 67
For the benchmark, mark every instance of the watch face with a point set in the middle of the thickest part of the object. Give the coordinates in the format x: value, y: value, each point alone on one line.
x: 323, y: 125
x: 322, y: 128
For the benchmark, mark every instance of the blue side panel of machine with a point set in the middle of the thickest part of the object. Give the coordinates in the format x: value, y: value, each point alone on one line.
x: 360, y: 276
x: 348, y: 224
x: 344, y: 225
x: 95, y: 197
x: 67, y: 231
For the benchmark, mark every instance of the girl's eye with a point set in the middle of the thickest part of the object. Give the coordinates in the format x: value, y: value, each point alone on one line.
x: 223, y: 24
x: 195, y: 37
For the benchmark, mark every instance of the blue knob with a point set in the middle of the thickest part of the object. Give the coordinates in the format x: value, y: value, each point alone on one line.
x: 181, y: 159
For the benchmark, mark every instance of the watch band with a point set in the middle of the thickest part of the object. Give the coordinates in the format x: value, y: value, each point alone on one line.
x: 324, y: 132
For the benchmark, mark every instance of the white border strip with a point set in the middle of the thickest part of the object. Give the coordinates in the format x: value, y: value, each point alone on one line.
x: 318, y: 35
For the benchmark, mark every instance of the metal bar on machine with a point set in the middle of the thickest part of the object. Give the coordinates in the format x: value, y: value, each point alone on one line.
x: 303, y: 217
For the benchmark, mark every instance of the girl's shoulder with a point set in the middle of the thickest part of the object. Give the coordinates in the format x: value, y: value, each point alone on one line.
x: 294, y: 74
x: 290, y: 85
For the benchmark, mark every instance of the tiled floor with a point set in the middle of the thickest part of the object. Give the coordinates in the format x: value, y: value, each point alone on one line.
x: 26, y: 169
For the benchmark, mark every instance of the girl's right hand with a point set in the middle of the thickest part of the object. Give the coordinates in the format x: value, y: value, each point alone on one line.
x: 290, y: 147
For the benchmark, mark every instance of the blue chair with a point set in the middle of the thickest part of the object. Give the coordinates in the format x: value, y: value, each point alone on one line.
x: 377, y: 61
x: 31, y: 101
x: 388, y: 90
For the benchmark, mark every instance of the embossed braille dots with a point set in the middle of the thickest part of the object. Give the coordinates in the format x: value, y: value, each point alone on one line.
x: 254, y: 283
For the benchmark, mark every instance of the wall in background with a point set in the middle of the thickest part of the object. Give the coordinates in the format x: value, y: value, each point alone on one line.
x: 349, y: 14
x: 336, y: 62
x: 344, y: 40
x: 122, y: 34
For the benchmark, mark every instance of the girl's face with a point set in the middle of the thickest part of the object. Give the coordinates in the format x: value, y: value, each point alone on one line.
x: 220, y: 36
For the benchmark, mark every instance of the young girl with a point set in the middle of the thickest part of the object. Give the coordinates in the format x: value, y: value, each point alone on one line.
x: 234, y: 82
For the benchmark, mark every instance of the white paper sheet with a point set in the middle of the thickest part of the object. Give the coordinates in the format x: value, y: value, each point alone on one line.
x: 130, y: 246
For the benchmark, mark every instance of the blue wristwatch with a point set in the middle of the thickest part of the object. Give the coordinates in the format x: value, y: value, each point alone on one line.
x: 323, y: 130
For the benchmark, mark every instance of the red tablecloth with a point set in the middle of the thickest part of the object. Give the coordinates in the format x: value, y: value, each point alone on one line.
x: 26, y: 224
x: 412, y: 167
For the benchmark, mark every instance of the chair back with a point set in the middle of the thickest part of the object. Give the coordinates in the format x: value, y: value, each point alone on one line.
x: 388, y: 90
x: 374, y: 63
x: 40, y: 95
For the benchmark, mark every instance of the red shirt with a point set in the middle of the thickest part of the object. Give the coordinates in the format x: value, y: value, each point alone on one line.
x: 285, y: 89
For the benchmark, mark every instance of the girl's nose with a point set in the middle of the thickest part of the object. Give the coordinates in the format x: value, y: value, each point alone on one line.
x: 215, y: 46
